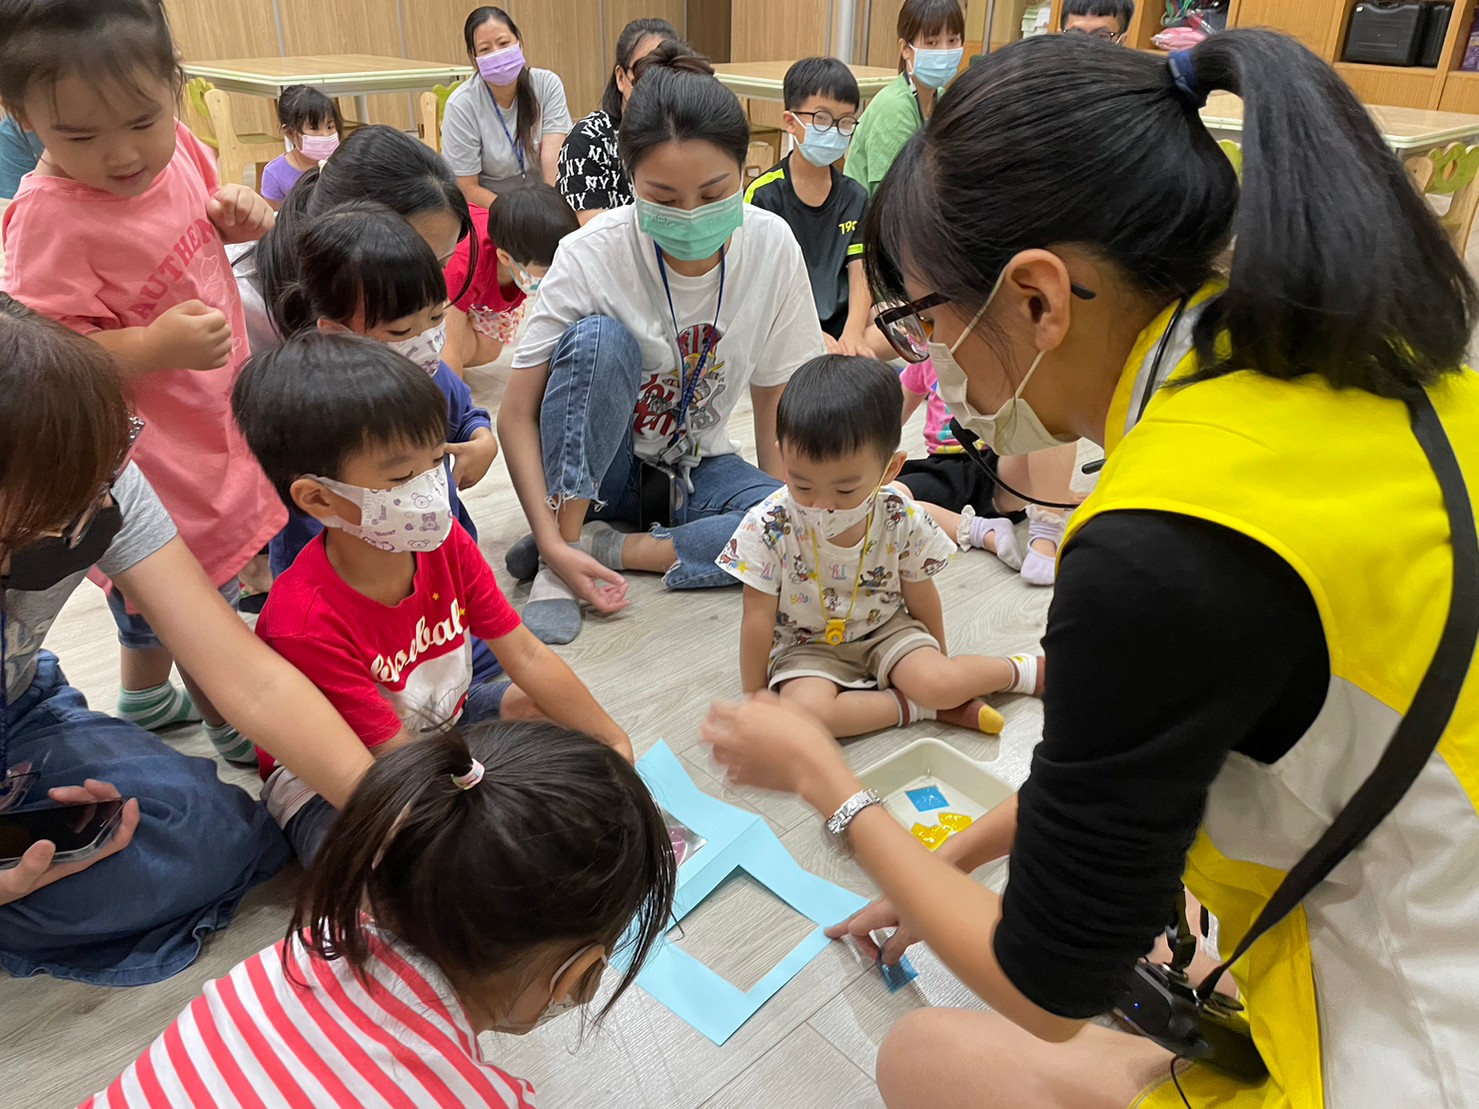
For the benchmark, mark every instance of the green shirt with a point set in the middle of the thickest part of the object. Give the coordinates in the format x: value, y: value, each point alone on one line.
x: 887, y: 124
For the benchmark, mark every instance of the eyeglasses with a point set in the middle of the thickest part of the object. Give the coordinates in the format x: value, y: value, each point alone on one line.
x: 74, y: 532
x: 909, y: 333
x: 1103, y: 33
x: 825, y: 121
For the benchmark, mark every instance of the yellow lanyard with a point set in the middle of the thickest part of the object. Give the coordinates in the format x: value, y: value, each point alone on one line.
x: 837, y: 628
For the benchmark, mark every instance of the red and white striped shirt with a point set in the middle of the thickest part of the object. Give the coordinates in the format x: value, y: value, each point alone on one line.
x: 399, y: 1039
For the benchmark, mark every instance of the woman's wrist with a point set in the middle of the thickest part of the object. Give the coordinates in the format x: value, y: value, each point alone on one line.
x: 828, y: 784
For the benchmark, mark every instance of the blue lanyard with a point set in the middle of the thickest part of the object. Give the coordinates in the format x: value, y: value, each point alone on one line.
x: 689, y: 384
x: 516, y: 147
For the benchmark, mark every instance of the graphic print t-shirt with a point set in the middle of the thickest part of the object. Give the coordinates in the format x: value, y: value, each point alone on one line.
x: 384, y: 667
x: 767, y: 325
x: 590, y: 173
x: 772, y: 551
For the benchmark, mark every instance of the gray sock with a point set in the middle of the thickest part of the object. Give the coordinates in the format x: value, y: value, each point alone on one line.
x: 603, y: 543
x: 522, y: 559
x: 552, y: 614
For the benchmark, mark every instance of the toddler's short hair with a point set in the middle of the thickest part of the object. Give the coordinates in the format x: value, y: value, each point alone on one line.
x: 529, y: 221
x: 320, y: 398
x: 841, y: 403
x: 1123, y: 10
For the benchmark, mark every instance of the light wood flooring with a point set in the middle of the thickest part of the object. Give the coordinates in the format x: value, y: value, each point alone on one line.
x: 656, y: 668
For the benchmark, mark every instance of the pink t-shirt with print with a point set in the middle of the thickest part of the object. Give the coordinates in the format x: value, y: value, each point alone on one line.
x: 98, y: 262
x: 919, y: 378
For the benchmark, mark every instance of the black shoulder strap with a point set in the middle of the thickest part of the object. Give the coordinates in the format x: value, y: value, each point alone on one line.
x: 1418, y: 732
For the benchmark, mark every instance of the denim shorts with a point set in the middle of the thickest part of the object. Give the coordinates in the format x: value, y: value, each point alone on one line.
x: 134, y: 631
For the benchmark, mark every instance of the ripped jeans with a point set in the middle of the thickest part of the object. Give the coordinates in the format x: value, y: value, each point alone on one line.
x: 586, y: 429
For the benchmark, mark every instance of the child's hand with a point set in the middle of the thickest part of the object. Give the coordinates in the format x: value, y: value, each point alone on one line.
x: 470, y: 460
x: 834, y: 346
x: 240, y: 215
x: 192, y: 336
x: 852, y: 342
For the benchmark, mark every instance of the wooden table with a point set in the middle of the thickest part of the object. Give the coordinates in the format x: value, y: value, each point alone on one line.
x: 765, y: 80
x: 1411, y: 132
x: 356, y: 75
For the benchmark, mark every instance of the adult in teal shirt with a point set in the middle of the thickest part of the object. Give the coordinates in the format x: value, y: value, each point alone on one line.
x: 20, y: 150
x: 931, y: 45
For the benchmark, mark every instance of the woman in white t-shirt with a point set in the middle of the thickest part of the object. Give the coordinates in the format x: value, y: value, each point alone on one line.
x: 651, y: 323
x: 509, y: 122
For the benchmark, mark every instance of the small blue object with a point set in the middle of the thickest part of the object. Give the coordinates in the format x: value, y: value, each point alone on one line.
x: 927, y: 798
x: 899, y: 975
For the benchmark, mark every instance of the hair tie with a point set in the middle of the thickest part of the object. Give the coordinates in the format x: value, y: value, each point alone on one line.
x: 472, y: 777
x: 1184, y: 76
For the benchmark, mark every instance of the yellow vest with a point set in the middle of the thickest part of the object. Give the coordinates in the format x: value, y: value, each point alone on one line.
x: 1368, y: 995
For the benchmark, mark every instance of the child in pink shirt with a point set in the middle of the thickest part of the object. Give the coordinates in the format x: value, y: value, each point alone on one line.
x: 119, y: 234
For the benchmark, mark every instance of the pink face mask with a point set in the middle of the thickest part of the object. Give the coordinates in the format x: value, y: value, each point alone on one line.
x: 502, y: 67
x: 318, y: 147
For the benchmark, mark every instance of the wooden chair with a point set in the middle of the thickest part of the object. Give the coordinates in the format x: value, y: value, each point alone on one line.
x: 237, y: 151
x: 195, y: 114
x: 430, y: 107
x: 1452, y: 172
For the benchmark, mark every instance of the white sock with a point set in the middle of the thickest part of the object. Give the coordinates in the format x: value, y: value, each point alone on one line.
x: 1024, y: 675
x: 909, y: 712
x: 549, y: 586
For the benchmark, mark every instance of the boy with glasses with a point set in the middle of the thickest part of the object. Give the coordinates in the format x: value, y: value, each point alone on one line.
x: 1105, y: 19
x: 824, y: 208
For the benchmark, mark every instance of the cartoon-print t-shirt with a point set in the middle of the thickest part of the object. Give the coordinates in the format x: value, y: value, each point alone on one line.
x: 767, y: 323
x: 772, y: 551
x: 99, y: 262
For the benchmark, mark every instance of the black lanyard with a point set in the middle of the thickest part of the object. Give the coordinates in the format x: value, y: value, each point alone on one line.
x: 688, y: 385
x: 516, y: 147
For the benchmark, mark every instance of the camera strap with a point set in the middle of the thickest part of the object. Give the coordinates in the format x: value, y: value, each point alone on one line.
x: 1421, y: 728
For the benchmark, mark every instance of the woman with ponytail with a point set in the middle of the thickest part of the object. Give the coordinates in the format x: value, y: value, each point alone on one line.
x: 477, y: 883
x: 507, y: 124
x: 1071, y: 247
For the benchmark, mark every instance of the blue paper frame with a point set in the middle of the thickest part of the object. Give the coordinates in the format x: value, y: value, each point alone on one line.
x: 737, y: 841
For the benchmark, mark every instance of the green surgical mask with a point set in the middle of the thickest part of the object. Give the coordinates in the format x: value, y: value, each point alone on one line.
x: 692, y: 236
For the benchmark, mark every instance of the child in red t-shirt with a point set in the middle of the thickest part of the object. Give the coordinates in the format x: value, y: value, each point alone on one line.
x: 378, y: 611
x: 498, y: 266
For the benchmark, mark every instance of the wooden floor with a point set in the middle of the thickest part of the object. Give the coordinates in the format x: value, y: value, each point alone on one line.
x: 656, y: 668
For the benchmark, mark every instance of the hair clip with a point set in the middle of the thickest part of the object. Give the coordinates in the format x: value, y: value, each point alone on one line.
x: 472, y: 777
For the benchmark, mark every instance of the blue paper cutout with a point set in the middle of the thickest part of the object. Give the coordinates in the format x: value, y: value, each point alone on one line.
x: 927, y: 798
x: 899, y: 975
x: 737, y: 841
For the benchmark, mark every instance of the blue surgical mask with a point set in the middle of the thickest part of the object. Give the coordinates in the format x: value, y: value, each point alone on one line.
x: 694, y: 235
x: 822, y: 148
x: 934, y: 68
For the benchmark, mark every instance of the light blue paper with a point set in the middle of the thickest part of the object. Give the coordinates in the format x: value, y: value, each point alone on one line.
x: 737, y: 841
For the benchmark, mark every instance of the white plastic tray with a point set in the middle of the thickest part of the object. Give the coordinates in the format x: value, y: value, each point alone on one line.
x: 968, y: 787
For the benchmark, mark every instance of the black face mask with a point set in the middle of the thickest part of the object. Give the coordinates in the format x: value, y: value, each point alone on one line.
x: 37, y: 568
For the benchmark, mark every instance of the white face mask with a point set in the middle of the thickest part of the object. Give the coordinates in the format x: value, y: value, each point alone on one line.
x: 528, y: 284
x: 554, y: 1008
x: 424, y: 349
x: 832, y: 522
x: 414, y: 516
x: 1015, y: 427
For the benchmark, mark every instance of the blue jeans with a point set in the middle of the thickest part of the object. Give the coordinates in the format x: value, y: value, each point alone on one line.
x: 309, y: 826
x: 134, y: 631
x: 138, y: 916
x: 585, y: 426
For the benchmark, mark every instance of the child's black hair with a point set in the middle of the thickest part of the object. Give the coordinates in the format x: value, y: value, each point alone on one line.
x: 526, y: 101
x: 827, y: 77
x: 678, y: 99
x: 376, y: 163
x: 559, y: 844
x: 632, y: 36
x: 926, y: 18
x: 42, y: 41
x: 837, y: 404
x: 1123, y: 10
x: 309, y: 405
x: 529, y: 221
x: 1346, y: 275
x: 359, y: 257
x: 302, y: 106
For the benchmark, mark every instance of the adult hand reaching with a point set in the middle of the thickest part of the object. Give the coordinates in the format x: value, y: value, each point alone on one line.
x: 762, y: 742
x: 35, y: 870
x: 880, y: 914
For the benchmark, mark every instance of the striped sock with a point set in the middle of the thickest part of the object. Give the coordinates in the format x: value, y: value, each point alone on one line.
x: 158, y: 707
x: 231, y: 745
